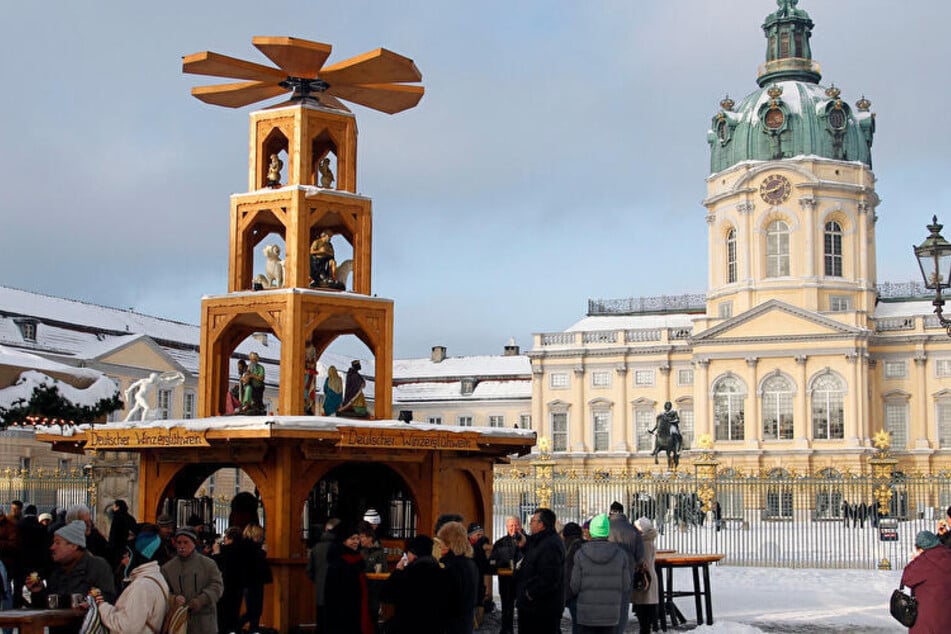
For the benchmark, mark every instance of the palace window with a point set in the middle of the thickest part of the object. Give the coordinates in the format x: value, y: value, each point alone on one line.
x: 686, y: 426
x: 116, y: 415
x: 778, y: 408
x: 840, y: 303
x: 497, y: 421
x: 164, y: 403
x: 833, y: 249
x: 602, y: 430
x: 525, y: 421
x: 188, y: 404
x: 777, y: 249
x: 944, y: 423
x: 828, y: 409
x: 942, y: 367
x: 896, y: 423
x: 896, y: 370
x: 600, y: 379
x: 643, y: 420
x: 643, y: 377
x: 558, y: 380
x: 731, y: 256
x: 434, y: 420
x: 464, y: 421
x: 559, y: 431
x: 685, y: 376
x: 725, y: 310
x: 728, y: 409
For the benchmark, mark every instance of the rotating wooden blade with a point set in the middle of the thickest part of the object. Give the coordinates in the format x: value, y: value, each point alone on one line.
x: 388, y: 98
x: 376, y: 67
x: 296, y: 57
x: 216, y: 65
x: 237, y: 95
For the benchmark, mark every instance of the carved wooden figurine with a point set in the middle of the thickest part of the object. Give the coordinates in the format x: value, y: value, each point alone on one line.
x: 326, y: 176
x: 274, y: 171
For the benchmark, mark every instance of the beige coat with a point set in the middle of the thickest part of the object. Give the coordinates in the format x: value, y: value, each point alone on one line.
x: 141, y: 606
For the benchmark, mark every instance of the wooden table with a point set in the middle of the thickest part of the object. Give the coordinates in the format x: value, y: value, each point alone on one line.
x: 701, y: 592
x: 30, y: 621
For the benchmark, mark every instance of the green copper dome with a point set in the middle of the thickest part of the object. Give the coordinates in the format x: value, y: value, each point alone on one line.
x: 791, y: 114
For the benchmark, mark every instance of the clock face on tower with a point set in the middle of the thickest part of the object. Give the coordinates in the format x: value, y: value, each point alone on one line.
x: 775, y: 189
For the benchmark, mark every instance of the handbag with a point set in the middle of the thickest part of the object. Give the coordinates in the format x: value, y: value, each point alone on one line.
x: 92, y: 624
x: 904, y: 607
x: 641, y: 581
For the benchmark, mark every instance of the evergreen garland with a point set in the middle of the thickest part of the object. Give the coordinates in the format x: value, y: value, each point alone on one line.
x: 47, y: 402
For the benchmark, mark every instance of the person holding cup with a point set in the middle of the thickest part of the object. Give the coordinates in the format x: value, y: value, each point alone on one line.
x: 75, y: 570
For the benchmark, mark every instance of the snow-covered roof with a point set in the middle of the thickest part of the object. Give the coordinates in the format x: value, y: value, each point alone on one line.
x: 458, y: 367
x: 903, y: 309
x: 452, y: 391
x: 22, y: 391
x: 633, y: 322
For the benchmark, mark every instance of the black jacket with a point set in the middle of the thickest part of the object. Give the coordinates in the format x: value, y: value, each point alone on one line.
x: 419, y: 597
x: 462, y: 582
x: 540, y: 578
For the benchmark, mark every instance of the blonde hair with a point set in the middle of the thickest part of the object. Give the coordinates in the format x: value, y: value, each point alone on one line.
x: 455, y: 538
x: 253, y: 532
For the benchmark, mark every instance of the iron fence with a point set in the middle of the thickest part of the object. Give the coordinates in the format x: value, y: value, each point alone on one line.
x: 823, y: 520
x: 47, y: 488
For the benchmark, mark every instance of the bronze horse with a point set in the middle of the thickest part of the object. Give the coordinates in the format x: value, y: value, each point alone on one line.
x: 667, y: 441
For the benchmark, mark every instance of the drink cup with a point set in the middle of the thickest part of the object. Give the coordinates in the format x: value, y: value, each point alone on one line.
x: 76, y: 600
x: 378, y: 568
x: 52, y: 601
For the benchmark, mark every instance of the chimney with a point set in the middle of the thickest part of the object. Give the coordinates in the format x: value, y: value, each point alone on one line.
x: 439, y: 354
x: 511, y: 348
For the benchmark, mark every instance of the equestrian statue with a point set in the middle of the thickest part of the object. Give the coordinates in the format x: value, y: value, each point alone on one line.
x: 668, y: 436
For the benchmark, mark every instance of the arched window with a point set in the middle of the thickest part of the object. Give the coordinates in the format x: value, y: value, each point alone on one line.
x: 729, y: 395
x: 777, y: 249
x: 778, y: 408
x: 828, y: 410
x: 833, y: 249
x: 731, y: 256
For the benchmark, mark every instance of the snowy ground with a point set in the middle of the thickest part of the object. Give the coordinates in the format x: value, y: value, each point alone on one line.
x: 782, y: 600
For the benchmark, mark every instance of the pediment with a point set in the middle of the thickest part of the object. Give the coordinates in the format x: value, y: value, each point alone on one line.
x: 776, y: 320
x: 141, y: 352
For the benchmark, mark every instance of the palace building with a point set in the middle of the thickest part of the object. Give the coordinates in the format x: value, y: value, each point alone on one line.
x: 796, y: 356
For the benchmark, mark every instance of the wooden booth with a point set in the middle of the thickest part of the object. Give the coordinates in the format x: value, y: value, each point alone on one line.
x: 307, y: 469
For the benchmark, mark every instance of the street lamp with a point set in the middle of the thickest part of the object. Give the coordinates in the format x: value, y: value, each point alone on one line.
x: 934, y: 259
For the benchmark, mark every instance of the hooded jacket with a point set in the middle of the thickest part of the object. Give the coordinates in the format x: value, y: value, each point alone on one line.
x: 141, y: 606
x: 652, y: 594
x: 601, y: 578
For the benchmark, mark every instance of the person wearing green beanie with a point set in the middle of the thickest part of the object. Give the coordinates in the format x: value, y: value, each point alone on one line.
x: 600, y: 580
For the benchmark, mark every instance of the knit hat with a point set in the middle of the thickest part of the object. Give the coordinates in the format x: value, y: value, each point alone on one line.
x: 74, y: 533
x: 189, y: 533
x: 44, y: 516
x: 474, y: 528
x: 372, y: 516
x: 587, y: 523
x: 643, y: 524
x: 165, y: 520
x: 616, y: 507
x: 926, y: 539
x: 600, y: 526
x: 421, y: 546
x: 147, y: 543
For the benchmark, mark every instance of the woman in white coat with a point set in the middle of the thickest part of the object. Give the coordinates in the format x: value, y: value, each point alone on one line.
x: 644, y: 602
x: 141, y: 607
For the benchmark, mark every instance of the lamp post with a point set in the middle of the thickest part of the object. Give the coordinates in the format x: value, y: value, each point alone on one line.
x: 934, y: 259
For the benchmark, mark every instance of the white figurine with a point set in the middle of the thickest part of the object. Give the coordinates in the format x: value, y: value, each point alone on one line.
x: 140, y: 391
x: 274, y: 268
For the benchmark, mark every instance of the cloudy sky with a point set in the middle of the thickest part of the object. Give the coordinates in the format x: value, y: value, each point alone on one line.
x: 559, y: 153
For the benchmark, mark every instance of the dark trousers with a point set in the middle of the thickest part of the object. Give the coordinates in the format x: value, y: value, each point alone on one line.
x: 646, y: 615
x: 507, y: 595
x: 596, y: 629
x: 539, y: 623
x: 254, y: 602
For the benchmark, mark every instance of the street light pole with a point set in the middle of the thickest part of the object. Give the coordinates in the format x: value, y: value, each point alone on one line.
x: 934, y: 260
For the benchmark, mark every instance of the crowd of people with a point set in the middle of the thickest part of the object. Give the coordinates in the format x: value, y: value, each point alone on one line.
x: 142, y: 576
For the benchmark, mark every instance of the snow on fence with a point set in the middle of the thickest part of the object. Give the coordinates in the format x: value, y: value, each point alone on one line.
x: 824, y: 520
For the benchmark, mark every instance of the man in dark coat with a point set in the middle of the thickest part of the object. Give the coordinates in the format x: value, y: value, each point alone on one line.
x: 629, y: 539
x: 34, y: 550
x: 317, y: 570
x: 601, y: 580
x: 123, y: 525
x: 506, y: 554
x: 417, y: 590
x: 75, y: 570
x: 540, y: 578
x: 944, y: 529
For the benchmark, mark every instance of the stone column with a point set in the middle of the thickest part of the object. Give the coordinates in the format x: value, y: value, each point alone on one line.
x: 621, y: 423
x: 702, y: 415
x: 921, y: 422
x: 753, y: 430
x: 802, y: 431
